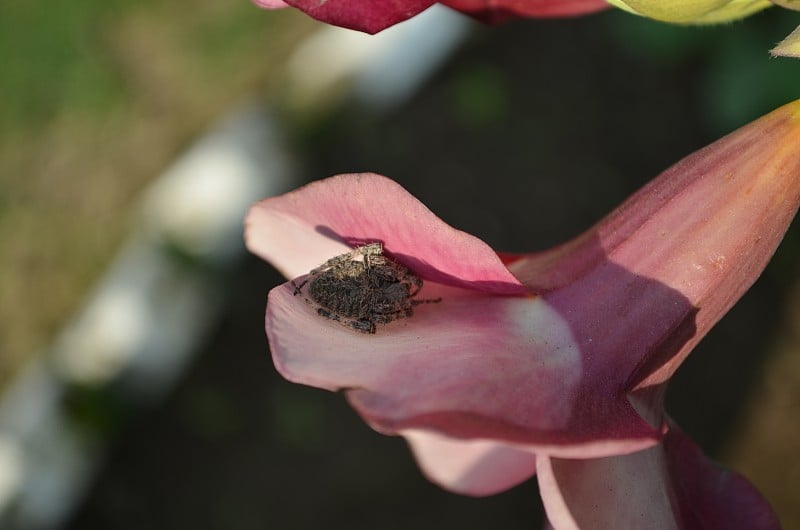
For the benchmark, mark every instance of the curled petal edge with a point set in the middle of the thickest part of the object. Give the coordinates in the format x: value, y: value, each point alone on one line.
x: 301, y: 229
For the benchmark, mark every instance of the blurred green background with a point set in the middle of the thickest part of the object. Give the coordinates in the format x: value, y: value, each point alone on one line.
x: 530, y: 133
x: 96, y: 98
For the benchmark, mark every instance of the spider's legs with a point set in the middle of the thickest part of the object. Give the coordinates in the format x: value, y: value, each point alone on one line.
x: 297, y: 288
x: 372, y: 254
x: 416, y: 285
x: 426, y: 301
x: 363, y: 325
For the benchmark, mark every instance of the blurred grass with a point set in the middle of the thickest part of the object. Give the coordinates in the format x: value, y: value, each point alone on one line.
x: 96, y: 97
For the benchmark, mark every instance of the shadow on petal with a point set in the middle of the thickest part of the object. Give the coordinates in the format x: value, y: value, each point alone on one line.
x: 447, y: 265
x: 302, y: 229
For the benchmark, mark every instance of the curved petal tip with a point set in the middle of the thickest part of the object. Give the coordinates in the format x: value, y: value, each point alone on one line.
x: 302, y: 229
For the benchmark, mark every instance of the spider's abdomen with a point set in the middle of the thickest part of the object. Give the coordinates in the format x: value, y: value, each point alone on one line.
x: 342, y: 296
x: 361, y: 289
x: 357, y: 296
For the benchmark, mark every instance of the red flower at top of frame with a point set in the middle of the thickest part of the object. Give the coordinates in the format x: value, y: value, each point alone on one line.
x: 371, y: 17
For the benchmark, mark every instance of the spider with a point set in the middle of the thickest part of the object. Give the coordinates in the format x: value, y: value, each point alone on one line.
x: 362, y: 288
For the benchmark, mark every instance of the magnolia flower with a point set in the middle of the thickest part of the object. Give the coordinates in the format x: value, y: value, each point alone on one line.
x: 553, y: 363
x: 371, y: 17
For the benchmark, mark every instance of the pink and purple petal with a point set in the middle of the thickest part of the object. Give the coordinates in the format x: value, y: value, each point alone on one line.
x: 471, y: 366
x: 678, y: 254
x: 371, y: 17
x: 671, y: 485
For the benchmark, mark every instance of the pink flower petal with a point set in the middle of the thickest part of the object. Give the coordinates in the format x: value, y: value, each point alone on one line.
x: 630, y: 491
x: 470, y: 467
x: 369, y: 16
x: 671, y: 485
x: 562, y: 373
x: 471, y: 366
x: 302, y: 229
x: 493, y: 11
x: 705, y: 229
x: 710, y: 496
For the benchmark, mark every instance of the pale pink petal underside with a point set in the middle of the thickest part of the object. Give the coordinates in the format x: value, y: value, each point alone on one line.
x: 470, y: 467
x: 710, y: 496
x: 671, y: 485
x: 630, y: 491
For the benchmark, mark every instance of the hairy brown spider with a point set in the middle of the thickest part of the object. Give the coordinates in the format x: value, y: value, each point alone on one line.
x: 362, y: 288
